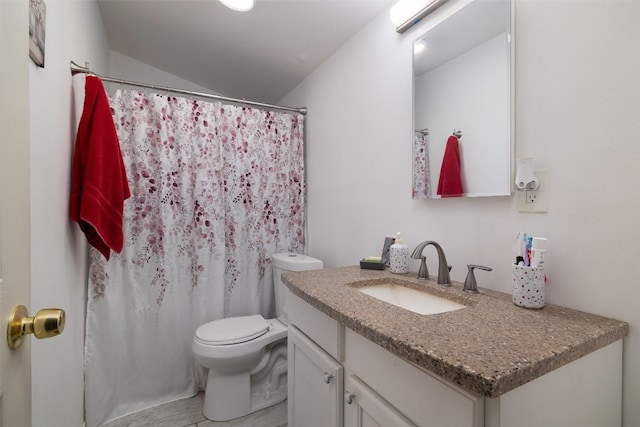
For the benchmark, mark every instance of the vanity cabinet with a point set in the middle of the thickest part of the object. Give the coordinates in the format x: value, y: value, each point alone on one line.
x: 338, y: 378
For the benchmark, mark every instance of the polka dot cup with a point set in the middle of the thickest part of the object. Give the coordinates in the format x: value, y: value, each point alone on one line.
x: 528, y: 286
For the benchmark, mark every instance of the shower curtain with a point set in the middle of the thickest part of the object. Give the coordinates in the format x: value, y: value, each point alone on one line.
x: 421, y: 177
x: 216, y: 189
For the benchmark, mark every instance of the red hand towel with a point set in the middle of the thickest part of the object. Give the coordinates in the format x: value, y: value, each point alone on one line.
x: 98, y: 181
x: 450, y: 183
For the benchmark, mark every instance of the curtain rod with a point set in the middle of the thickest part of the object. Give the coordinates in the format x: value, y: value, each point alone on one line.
x: 76, y: 69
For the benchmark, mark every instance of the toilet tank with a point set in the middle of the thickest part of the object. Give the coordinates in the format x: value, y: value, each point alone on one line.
x: 282, y: 263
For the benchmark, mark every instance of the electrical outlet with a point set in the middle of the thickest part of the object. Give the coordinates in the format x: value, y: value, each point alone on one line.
x: 536, y: 200
x: 531, y: 196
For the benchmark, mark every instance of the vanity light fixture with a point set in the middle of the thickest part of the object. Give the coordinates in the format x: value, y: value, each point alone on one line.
x: 406, y: 13
x: 239, y: 5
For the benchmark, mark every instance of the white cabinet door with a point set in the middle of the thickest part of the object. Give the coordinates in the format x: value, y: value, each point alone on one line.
x: 315, y: 384
x: 364, y: 408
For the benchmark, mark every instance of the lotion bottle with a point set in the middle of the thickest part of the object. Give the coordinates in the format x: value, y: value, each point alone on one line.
x: 399, y: 257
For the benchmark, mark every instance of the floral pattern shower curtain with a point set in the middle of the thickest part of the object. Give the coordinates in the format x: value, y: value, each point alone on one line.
x: 216, y: 189
x: 421, y: 177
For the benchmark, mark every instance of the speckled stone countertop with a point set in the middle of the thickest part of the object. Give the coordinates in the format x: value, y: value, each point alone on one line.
x: 489, y: 348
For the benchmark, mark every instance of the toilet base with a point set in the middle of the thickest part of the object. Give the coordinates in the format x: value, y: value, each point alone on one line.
x: 233, y: 396
x: 226, y: 396
x: 236, y: 405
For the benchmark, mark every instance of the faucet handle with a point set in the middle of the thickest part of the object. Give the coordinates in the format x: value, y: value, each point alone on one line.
x: 470, y: 284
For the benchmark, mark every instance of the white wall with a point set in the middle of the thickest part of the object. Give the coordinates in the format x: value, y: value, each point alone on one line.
x: 74, y: 31
x: 577, y: 109
x: 127, y: 68
x: 470, y: 93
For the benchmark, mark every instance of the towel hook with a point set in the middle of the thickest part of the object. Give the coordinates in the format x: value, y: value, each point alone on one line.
x: 457, y: 133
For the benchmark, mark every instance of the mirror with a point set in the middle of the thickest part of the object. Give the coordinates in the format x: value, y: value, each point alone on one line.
x: 462, y: 70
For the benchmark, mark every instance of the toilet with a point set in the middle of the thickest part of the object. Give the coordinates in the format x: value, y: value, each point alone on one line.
x: 247, y: 355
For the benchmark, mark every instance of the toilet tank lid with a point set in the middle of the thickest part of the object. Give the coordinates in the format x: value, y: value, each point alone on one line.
x: 232, y: 330
x: 295, y: 262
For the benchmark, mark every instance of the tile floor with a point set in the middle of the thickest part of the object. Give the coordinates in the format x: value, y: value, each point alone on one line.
x: 188, y: 413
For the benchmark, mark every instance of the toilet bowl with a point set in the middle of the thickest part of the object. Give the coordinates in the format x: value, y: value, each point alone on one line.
x: 247, y: 355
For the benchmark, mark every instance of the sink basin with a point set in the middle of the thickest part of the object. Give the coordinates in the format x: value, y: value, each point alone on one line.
x: 410, y: 299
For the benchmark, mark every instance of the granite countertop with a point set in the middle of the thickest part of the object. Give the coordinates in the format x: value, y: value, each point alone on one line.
x: 489, y: 348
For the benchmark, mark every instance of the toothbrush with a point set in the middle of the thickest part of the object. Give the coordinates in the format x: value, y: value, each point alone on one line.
x: 527, y: 261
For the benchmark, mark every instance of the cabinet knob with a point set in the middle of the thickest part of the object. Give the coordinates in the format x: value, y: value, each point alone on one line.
x: 327, y: 378
x: 348, y: 397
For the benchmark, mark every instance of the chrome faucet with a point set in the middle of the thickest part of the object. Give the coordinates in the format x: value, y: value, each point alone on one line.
x: 443, y: 268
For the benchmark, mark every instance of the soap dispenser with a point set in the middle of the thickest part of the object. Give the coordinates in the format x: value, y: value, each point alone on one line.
x: 399, y: 257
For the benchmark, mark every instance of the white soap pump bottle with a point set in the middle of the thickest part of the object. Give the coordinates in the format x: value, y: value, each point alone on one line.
x: 399, y: 257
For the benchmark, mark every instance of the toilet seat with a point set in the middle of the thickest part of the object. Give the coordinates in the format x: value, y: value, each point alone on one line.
x: 232, y: 330
x: 203, y: 349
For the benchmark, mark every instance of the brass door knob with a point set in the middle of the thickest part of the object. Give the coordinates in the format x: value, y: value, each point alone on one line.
x: 47, y: 322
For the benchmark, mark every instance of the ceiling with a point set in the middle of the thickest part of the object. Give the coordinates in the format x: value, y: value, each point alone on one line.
x: 258, y: 55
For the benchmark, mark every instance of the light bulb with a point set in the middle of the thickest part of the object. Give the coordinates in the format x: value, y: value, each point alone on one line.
x: 419, y: 46
x: 239, y: 5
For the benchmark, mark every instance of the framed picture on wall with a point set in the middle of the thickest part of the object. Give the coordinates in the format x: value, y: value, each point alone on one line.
x: 37, y: 19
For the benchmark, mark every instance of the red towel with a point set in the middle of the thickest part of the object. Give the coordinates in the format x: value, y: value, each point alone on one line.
x: 450, y: 183
x: 98, y: 179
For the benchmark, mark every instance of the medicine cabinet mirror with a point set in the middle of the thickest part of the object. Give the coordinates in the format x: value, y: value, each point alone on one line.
x: 462, y: 71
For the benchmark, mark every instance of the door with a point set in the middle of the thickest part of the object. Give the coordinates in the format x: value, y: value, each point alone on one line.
x: 15, y: 238
x: 315, y: 384
x: 364, y: 408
